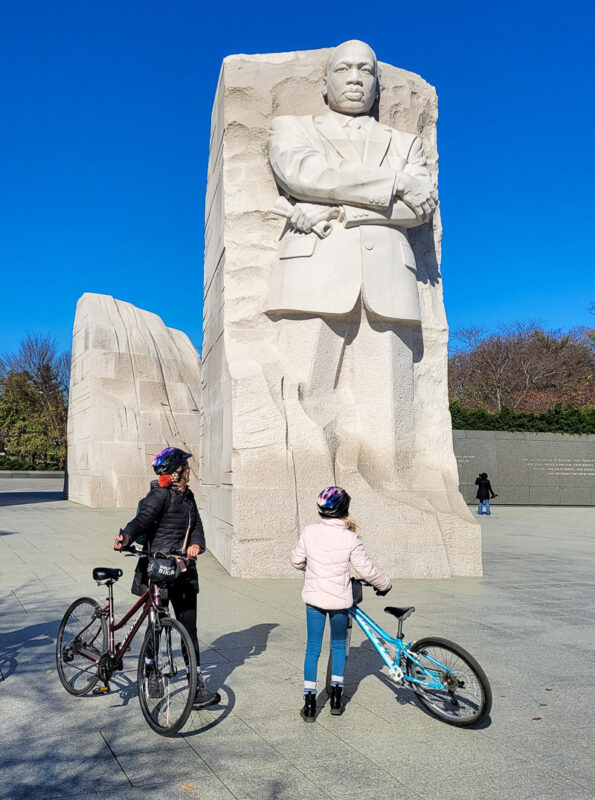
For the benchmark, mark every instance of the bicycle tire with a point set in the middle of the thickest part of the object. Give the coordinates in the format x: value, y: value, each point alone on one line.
x: 95, y: 642
x: 469, y: 712
x: 183, y: 671
x: 329, y: 666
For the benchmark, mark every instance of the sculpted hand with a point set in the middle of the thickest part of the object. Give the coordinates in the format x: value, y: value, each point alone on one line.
x: 306, y: 215
x: 416, y: 195
x: 193, y: 551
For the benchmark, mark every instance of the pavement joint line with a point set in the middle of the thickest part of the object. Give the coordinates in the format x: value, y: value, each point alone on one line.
x: 109, y: 747
x: 19, y: 602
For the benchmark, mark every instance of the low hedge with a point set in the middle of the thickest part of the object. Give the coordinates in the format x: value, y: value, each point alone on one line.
x: 21, y: 465
x: 560, y: 419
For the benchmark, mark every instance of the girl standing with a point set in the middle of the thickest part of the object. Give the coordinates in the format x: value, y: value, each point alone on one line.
x: 324, y: 552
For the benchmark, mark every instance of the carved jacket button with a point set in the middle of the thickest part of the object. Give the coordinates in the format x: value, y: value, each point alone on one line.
x: 369, y: 245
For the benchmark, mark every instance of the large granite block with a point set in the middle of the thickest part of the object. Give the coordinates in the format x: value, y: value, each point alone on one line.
x: 273, y: 439
x: 135, y: 388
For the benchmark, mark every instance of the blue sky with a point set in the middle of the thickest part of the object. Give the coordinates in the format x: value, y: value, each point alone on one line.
x: 105, y: 133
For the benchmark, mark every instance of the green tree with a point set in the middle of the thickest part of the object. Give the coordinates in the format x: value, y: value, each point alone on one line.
x: 34, y: 401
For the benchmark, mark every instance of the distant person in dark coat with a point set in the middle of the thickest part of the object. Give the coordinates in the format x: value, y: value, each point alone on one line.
x: 484, y: 492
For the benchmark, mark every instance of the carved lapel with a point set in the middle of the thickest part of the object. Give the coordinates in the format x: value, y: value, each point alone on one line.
x: 377, y: 143
x: 329, y: 128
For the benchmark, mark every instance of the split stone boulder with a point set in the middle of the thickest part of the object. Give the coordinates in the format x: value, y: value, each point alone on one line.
x: 135, y: 388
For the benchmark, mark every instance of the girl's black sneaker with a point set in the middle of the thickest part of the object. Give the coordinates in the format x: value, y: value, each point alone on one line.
x: 337, y: 707
x: 308, y: 712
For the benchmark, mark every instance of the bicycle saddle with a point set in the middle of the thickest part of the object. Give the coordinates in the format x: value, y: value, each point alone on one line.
x: 400, y: 613
x: 106, y: 574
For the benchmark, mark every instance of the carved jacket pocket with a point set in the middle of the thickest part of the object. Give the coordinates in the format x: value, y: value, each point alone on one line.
x: 297, y: 244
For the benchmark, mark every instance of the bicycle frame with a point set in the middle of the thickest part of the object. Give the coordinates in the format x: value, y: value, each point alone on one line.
x: 150, y: 600
x: 377, y: 636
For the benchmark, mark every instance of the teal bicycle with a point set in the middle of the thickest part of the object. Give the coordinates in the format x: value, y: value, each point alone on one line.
x: 447, y: 680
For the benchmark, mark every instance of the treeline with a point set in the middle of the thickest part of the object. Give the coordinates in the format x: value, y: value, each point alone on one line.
x: 523, y: 378
x: 33, y: 405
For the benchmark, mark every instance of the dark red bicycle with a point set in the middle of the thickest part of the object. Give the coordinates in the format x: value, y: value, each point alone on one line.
x: 86, y: 652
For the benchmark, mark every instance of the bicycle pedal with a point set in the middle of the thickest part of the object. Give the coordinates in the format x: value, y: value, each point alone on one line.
x: 396, y: 674
x: 101, y: 690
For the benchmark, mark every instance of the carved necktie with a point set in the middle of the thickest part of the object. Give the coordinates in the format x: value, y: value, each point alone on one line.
x: 357, y: 136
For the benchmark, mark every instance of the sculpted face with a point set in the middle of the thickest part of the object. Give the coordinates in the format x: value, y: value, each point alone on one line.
x: 351, y: 83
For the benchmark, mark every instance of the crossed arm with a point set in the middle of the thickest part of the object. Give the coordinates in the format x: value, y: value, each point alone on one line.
x: 336, y: 188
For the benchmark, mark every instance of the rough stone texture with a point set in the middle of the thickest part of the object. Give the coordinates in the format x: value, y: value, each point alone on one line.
x: 556, y: 469
x: 135, y: 388
x: 257, y: 486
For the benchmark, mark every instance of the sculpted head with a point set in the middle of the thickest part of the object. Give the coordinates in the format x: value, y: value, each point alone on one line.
x: 351, y: 82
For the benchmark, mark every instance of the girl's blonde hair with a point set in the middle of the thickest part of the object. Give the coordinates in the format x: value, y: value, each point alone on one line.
x: 350, y: 523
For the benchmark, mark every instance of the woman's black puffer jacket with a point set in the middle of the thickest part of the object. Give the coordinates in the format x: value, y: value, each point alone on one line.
x: 164, y: 517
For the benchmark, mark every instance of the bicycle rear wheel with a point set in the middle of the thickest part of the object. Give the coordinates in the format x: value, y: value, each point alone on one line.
x: 82, y: 638
x: 465, y: 696
x: 166, y: 676
x: 329, y: 666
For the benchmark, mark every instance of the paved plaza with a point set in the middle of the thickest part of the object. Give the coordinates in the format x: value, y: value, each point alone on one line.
x: 529, y: 622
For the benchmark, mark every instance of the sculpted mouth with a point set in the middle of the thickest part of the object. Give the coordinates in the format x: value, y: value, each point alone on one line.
x: 353, y: 95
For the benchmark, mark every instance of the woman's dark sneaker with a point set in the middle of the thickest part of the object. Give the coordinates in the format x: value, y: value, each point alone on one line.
x: 337, y: 706
x: 203, y: 697
x: 154, y: 685
x: 308, y: 712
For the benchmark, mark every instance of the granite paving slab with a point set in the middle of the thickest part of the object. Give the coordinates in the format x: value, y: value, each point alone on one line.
x: 528, y: 621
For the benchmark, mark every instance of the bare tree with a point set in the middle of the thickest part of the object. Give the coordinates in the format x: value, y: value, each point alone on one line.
x: 522, y: 367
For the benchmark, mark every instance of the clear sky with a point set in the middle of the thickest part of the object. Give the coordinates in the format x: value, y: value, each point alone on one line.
x: 105, y: 135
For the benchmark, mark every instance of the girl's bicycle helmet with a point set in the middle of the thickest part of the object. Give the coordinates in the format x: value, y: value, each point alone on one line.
x: 333, y: 502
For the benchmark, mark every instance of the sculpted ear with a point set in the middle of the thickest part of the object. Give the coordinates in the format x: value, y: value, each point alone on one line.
x: 324, y: 89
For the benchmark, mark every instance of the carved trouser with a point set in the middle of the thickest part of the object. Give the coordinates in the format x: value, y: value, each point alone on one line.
x: 348, y: 397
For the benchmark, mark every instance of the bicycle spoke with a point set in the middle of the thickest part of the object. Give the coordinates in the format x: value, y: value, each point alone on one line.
x: 165, y: 689
x: 461, y: 694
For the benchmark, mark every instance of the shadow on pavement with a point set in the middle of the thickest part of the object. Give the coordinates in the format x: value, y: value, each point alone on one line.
x: 25, y: 498
x: 236, y: 648
x: 14, y: 643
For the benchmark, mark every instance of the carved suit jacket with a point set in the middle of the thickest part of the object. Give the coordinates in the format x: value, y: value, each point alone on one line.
x: 368, y: 251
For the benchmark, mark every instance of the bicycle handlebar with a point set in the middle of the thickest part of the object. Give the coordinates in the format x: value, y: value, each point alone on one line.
x: 367, y: 583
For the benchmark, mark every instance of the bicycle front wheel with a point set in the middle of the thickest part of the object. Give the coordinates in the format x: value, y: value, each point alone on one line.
x: 82, y: 638
x: 464, y: 698
x: 166, y: 676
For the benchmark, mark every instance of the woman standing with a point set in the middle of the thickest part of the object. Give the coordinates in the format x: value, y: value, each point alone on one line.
x: 484, y: 492
x: 325, y: 552
x: 168, y: 518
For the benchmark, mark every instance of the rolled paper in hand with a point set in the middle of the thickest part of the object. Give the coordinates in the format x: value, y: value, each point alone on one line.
x: 283, y: 208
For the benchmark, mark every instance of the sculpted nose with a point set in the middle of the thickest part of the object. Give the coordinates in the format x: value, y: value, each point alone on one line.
x: 354, y: 76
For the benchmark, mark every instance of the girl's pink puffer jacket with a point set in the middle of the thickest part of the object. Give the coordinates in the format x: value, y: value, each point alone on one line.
x: 324, y: 551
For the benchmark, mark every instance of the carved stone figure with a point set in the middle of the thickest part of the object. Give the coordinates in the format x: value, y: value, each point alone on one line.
x: 369, y: 183
x: 344, y: 165
x: 324, y: 357
x: 135, y: 387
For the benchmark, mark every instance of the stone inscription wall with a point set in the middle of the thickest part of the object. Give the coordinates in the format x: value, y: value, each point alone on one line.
x: 528, y: 468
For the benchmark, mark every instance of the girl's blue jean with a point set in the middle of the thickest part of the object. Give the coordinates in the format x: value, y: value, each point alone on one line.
x: 480, y: 506
x: 315, y: 620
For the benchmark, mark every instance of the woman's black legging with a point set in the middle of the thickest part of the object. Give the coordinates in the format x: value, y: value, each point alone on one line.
x: 183, y: 599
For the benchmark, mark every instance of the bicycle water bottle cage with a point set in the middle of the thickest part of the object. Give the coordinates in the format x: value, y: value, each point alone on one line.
x: 101, y: 574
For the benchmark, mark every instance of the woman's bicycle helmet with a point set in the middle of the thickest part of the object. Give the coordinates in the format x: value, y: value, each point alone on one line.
x: 170, y: 460
x: 333, y: 502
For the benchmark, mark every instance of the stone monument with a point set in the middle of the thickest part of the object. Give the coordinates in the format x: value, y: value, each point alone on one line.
x: 135, y: 388
x: 324, y: 357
